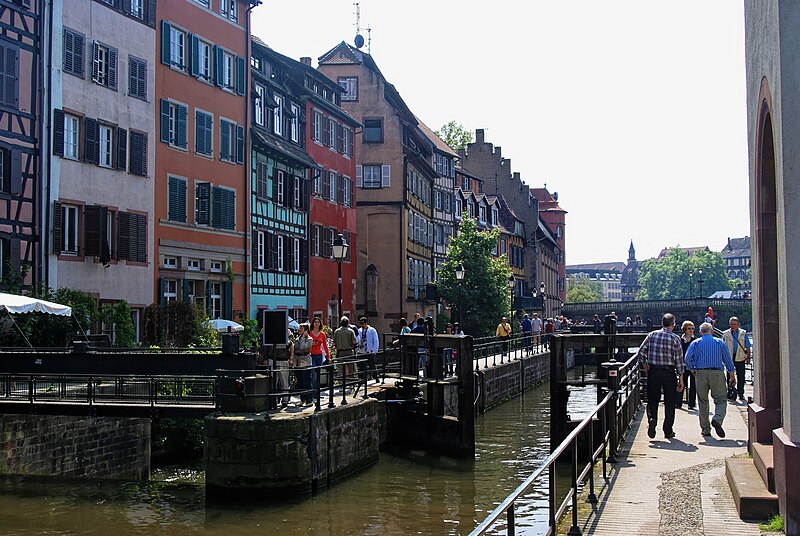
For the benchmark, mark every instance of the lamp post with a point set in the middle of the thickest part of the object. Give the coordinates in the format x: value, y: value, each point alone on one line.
x: 691, y: 276
x: 340, y: 247
x: 700, y: 281
x: 459, y: 277
x: 512, y: 283
x: 544, y: 299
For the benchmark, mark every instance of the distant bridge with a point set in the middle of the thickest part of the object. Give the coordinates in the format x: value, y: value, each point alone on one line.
x: 693, y: 309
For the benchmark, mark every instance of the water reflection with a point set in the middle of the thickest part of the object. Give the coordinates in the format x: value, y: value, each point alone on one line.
x: 404, y: 493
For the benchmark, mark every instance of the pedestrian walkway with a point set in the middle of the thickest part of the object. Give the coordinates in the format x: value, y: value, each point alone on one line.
x: 665, y: 487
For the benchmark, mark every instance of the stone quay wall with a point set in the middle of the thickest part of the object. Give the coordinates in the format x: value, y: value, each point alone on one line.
x: 75, y: 447
x: 283, y: 455
x: 504, y: 381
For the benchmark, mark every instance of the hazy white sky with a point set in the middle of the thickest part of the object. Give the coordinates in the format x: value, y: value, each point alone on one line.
x: 634, y: 112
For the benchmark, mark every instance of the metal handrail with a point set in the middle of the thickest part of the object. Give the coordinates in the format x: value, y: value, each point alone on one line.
x: 610, y: 439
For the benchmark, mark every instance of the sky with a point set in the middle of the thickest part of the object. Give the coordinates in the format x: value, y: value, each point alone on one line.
x: 634, y: 112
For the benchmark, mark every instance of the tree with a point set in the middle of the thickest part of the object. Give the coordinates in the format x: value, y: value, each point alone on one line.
x: 455, y: 135
x: 485, y: 297
x: 668, y: 277
x: 583, y: 290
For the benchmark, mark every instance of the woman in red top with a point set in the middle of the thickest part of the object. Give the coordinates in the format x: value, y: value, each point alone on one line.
x: 319, y: 351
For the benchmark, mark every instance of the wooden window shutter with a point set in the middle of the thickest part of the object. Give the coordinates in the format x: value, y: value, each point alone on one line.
x: 326, y: 130
x: 240, y: 75
x: 288, y: 190
x: 313, y: 231
x: 218, y: 65
x: 359, y: 176
x: 124, y: 237
x: 58, y: 132
x: 194, y: 56
x: 141, y: 237
x: 340, y: 138
x: 304, y: 256
x: 95, y: 60
x: 151, y: 12
x: 112, y: 67
x: 181, y: 126
x: 227, y: 298
x: 326, y: 184
x: 230, y: 209
x: 225, y: 140
x: 165, y: 121
x: 138, y: 160
x: 386, y: 176
x: 91, y: 141
x: 166, y: 29
x: 94, y: 220
x: 199, y: 124
x: 346, y: 235
x: 239, y: 144
x: 69, y: 51
x: 340, y: 188
x: 58, y: 228
x: 326, y: 243
x: 122, y: 149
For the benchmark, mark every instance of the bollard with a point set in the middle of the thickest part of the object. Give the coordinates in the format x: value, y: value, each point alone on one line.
x: 612, y: 369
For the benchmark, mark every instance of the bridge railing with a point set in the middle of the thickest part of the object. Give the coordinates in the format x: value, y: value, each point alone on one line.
x: 614, y: 414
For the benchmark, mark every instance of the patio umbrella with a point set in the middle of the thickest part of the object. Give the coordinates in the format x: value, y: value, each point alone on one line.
x: 222, y: 325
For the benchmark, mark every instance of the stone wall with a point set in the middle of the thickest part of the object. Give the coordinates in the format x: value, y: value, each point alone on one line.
x: 75, y: 447
x: 288, y: 454
x: 502, y: 382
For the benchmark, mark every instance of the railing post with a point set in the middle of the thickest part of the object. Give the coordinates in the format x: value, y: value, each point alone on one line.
x: 344, y: 382
x: 366, y: 379
x: 317, y: 389
x: 331, y: 377
x: 592, y: 498
x: 510, y: 526
x: 612, y: 370
x: 551, y: 497
x: 574, y: 530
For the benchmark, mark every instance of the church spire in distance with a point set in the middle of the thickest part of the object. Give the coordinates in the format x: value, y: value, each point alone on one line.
x: 631, y: 253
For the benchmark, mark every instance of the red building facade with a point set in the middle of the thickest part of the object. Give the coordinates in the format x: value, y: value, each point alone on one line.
x: 551, y: 213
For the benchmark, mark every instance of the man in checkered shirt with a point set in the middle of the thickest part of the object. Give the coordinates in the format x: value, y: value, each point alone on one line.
x: 662, y: 357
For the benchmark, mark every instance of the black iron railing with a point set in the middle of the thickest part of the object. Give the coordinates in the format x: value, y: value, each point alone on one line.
x: 614, y: 413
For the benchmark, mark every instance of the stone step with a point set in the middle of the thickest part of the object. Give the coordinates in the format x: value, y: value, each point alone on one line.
x: 753, y: 499
x: 762, y: 458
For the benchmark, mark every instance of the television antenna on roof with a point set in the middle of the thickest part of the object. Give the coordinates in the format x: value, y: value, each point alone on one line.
x: 359, y: 39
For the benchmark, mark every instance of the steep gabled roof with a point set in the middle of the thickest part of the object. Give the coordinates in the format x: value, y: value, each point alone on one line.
x: 435, y: 140
x: 617, y: 267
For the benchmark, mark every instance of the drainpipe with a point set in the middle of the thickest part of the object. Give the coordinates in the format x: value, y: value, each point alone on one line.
x: 247, y: 164
x: 45, y: 112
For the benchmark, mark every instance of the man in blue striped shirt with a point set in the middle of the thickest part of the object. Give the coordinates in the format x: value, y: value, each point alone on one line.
x: 708, y: 359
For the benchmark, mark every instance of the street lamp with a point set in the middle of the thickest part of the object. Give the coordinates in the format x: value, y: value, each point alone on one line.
x: 691, y: 276
x: 459, y: 277
x: 340, y: 247
x: 544, y: 299
x: 700, y: 281
x: 512, y: 283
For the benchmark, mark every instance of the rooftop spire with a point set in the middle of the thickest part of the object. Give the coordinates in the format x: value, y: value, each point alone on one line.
x: 631, y: 252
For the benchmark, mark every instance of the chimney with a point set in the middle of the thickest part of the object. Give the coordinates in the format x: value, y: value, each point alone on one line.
x: 516, y: 176
x: 479, y: 135
x: 306, y: 60
x: 729, y: 244
x: 555, y: 196
x: 498, y: 151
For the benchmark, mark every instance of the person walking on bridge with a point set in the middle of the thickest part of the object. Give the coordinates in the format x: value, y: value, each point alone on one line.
x: 662, y: 358
x: 738, y: 344
x: 709, y: 358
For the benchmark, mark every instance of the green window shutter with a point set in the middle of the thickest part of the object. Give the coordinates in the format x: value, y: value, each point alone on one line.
x: 166, y: 29
x: 227, y: 298
x: 240, y: 72
x: 181, y: 127
x: 58, y: 132
x: 165, y: 120
x: 177, y: 199
x: 230, y: 211
x: 58, y: 228
x: 198, y: 132
x: 91, y: 141
x: 225, y: 140
x: 185, y: 291
x: 122, y: 148
x: 218, y: 64
x: 208, y: 297
x: 161, y: 291
x: 194, y: 59
x: 217, y: 208
x: 239, y: 144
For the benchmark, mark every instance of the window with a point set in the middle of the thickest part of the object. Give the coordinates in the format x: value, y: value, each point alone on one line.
x: 104, y: 65
x: 170, y: 290
x: 73, y: 47
x: 228, y: 8
x: 197, y: 293
x: 137, y: 9
x: 170, y: 262
x: 214, y: 299
x: 203, y: 126
x: 65, y: 229
x: 317, y: 184
x: 177, y: 48
x: 260, y: 250
x: 71, y: 136
x: 138, y: 164
x: 277, y: 113
x: 297, y: 191
x: 106, y: 147
x: 372, y: 176
x: 295, y: 124
x: 280, y: 177
x: 176, y: 199
x: 459, y: 208
x: 258, y: 107
x: 494, y: 217
x: 296, y: 255
x: 262, y: 179
x: 137, y: 78
x: 317, y: 134
x: 193, y: 264
x: 347, y: 191
x: 348, y: 142
x: 332, y: 188
x: 231, y: 141
x: 215, y: 266
x: 203, y: 68
x: 202, y: 203
x: 280, y: 251
x: 173, y: 123
x: 482, y: 214
x: 315, y: 238
x: 331, y: 142
x: 373, y: 130
x: 228, y: 79
x: 350, y: 85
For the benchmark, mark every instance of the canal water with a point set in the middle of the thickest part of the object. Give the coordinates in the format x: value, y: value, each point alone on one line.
x: 404, y: 493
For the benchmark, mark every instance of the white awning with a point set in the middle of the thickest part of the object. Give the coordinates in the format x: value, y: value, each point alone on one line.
x: 23, y: 304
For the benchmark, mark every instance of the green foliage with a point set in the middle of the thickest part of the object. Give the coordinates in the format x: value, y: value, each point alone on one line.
x: 485, y: 297
x: 13, y: 277
x: 455, y: 135
x: 178, y: 324
x: 177, y: 438
x: 250, y: 337
x: 668, y: 277
x: 583, y: 290
x: 774, y: 524
x: 119, y: 314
